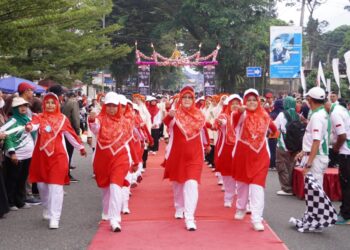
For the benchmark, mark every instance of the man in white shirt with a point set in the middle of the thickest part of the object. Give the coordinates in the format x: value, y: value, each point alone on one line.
x: 314, y: 155
x: 340, y: 120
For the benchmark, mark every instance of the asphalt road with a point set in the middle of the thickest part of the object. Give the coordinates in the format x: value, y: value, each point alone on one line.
x: 24, y: 229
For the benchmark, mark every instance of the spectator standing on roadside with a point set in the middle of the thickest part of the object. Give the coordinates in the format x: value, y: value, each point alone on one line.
x: 71, y: 110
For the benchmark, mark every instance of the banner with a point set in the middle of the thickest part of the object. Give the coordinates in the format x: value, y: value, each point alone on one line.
x: 335, y: 66
x: 303, y: 81
x: 144, y: 74
x: 285, y: 51
x: 347, y: 61
x: 320, y: 76
x: 209, y: 80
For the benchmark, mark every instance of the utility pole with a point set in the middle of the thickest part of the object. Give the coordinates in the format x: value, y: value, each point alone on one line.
x: 302, y: 13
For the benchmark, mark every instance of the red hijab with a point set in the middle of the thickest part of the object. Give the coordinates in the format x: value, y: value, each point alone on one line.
x: 255, y: 125
x: 153, y: 109
x: 115, y: 131
x: 50, y: 124
x: 189, y: 120
x: 230, y: 136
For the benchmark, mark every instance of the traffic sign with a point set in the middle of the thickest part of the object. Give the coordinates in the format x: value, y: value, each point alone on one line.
x: 254, y: 71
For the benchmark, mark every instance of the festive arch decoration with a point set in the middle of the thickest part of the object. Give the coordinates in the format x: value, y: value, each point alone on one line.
x: 176, y: 59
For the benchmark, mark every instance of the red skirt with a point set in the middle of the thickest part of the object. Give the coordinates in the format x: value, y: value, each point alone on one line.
x: 224, y: 160
x: 249, y: 166
x: 109, y: 168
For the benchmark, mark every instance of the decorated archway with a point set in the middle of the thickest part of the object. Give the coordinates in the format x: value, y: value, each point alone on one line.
x: 176, y: 60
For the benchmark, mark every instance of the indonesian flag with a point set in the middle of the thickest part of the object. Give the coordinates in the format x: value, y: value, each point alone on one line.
x: 320, y: 76
x: 347, y: 61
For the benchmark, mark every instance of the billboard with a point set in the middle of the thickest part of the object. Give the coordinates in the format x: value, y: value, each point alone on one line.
x: 144, y: 74
x: 209, y: 79
x: 285, y: 51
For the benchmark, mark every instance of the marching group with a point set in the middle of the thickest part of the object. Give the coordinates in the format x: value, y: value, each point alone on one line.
x: 240, y: 138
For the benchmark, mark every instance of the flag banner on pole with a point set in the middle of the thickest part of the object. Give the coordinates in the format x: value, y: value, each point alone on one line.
x: 303, y: 81
x: 328, y: 89
x: 209, y: 79
x: 144, y: 74
x: 335, y: 66
x: 320, y: 76
x: 347, y: 61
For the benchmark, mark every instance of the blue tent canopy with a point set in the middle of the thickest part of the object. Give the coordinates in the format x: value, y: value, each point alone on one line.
x: 10, y: 85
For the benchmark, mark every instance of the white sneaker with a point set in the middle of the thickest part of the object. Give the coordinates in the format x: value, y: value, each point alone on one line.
x: 240, y: 214
x: 126, y: 211
x: 13, y: 208
x: 46, y: 215
x: 222, y: 188
x: 26, y: 206
x: 220, y: 182
x: 54, y: 224
x: 281, y: 192
x: 104, y: 217
x: 179, y: 215
x: 228, y: 204
x: 116, y: 227
x: 143, y: 170
x: 191, y: 225
x: 258, y: 226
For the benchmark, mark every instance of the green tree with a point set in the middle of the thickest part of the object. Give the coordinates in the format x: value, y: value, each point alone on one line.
x: 60, y: 39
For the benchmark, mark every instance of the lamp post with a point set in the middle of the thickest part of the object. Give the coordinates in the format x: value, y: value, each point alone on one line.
x: 103, y: 27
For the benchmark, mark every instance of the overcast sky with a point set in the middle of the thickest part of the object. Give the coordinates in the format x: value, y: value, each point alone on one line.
x: 332, y: 11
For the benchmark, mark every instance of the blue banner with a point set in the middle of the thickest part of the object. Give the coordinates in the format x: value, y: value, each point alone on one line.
x: 285, y: 51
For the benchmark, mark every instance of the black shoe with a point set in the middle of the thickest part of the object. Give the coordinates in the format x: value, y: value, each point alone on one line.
x: 72, y: 167
x: 33, y: 201
x: 72, y: 179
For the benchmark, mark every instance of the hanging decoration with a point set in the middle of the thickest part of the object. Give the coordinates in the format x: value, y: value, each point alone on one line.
x: 177, y: 59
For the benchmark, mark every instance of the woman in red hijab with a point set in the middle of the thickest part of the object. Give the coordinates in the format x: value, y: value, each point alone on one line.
x: 184, y: 155
x: 225, y: 144
x: 252, y: 154
x: 156, y: 118
x: 49, y: 165
x: 111, y: 161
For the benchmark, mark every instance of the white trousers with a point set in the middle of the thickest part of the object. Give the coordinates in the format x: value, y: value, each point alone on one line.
x: 112, y: 202
x: 126, y: 196
x: 52, y: 199
x: 186, y: 197
x: 319, y: 166
x: 230, y: 188
x: 257, y: 197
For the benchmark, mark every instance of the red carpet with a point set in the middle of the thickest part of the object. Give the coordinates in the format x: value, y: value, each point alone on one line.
x: 151, y: 224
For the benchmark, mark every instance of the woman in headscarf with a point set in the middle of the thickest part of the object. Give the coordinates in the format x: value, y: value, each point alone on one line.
x: 18, y: 148
x: 225, y: 144
x: 49, y: 164
x: 4, y: 206
x: 252, y: 153
x: 284, y: 158
x: 184, y: 155
x: 277, y: 108
x: 146, y: 118
x: 111, y: 161
x: 156, y: 118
